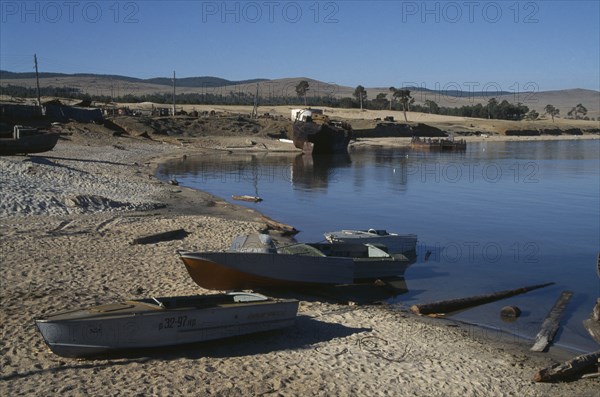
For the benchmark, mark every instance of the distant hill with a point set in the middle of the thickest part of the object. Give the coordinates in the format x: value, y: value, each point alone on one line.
x: 110, y: 85
x: 204, y: 81
x: 458, y: 93
x: 6, y: 75
x: 209, y: 81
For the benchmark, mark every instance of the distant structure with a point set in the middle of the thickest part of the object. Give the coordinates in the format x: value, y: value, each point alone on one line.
x: 174, y: 112
x: 255, y: 109
x: 37, y: 81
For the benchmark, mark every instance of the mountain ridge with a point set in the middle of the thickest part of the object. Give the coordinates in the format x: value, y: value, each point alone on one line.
x: 212, y: 81
x: 199, y: 81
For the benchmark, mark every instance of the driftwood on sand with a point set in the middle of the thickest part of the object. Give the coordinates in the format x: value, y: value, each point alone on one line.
x: 551, y: 323
x: 177, y: 234
x: 452, y: 305
x: 568, y: 369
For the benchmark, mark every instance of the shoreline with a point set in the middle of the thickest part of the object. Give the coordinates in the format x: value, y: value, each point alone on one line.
x: 77, y: 256
x: 555, y: 349
x: 401, y: 142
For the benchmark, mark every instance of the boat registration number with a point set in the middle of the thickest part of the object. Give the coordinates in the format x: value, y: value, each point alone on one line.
x: 176, y: 322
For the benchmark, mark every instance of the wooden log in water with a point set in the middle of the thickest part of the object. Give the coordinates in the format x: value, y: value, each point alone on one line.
x: 568, y: 369
x: 551, y: 323
x: 282, y: 227
x: 177, y: 234
x: 253, y: 199
x: 452, y: 305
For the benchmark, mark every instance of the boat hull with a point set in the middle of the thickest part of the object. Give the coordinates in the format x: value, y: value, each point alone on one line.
x: 379, y: 268
x: 137, y: 324
x: 317, y: 138
x: 235, y: 270
x: 40, y: 143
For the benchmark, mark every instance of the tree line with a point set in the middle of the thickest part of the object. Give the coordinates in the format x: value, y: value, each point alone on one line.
x: 400, y: 99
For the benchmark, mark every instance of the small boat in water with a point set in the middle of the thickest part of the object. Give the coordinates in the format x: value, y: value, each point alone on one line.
x: 370, y: 261
x: 155, y: 322
x: 26, y: 140
x: 396, y: 243
x: 315, y: 133
x: 253, y: 262
x: 438, y: 144
x: 375, y: 264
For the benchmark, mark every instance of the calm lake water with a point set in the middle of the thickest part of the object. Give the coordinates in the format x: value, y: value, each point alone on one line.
x: 502, y: 215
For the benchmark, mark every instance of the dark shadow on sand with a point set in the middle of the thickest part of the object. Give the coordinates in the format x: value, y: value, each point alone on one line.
x: 46, y: 160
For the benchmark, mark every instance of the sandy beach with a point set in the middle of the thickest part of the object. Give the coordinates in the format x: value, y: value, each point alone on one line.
x: 67, y: 220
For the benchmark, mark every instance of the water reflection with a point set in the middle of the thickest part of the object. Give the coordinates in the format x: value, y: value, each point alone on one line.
x: 304, y: 172
x: 484, y: 164
x: 316, y: 172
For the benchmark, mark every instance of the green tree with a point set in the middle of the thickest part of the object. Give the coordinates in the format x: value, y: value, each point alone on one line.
x: 492, y: 108
x: 381, y: 102
x: 302, y: 89
x: 392, y: 97
x: 574, y: 112
x: 405, y: 100
x: 532, y: 115
x: 478, y: 111
x: 346, y: 103
x: 361, y: 94
x: 552, y: 111
x: 432, y: 107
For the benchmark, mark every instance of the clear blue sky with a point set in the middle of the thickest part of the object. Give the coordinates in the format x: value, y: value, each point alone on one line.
x: 553, y: 44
